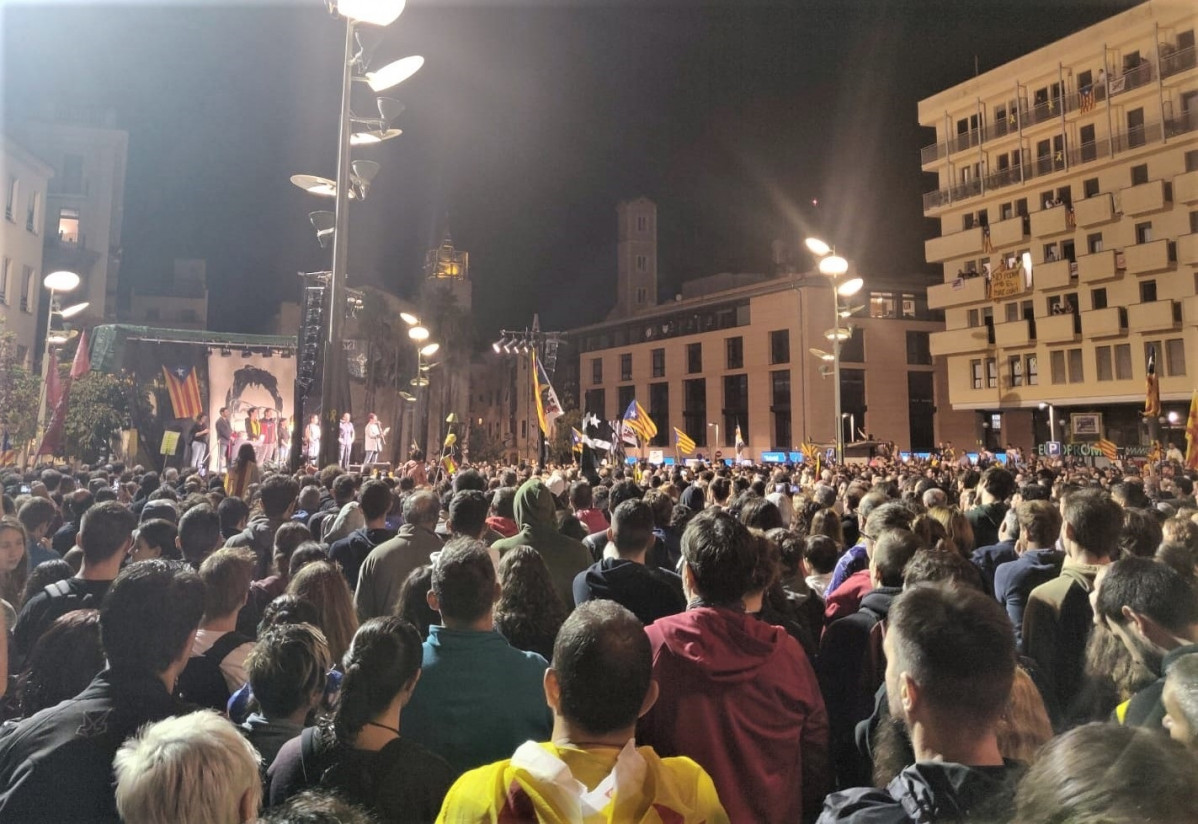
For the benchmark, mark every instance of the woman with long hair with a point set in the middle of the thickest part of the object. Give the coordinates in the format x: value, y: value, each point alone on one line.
x: 244, y: 473
x: 529, y: 612
x: 14, y: 562
x: 959, y: 530
x: 361, y: 756
x: 323, y: 584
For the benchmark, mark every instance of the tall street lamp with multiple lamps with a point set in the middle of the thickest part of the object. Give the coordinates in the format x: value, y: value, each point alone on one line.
x: 353, y: 181
x: 835, y: 267
x: 425, y: 348
x: 58, y: 283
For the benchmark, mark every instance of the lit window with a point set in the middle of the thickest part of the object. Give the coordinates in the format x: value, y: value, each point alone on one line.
x: 68, y: 225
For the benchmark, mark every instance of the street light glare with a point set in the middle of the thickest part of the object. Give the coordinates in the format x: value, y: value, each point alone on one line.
x: 430, y: 349
x: 71, y: 311
x: 817, y: 247
x: 408, y: 318
x: 61, y: 281
x: 833, y: 265
x: 372, y: 12
x: 821, y: 354
x: 394, y: 73
x: 850, y: 287
x: 418, y: 333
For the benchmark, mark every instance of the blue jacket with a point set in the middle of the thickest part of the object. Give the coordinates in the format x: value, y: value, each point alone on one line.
x: 478, y: 699
x: 1013, y: 582
x: 855, y: 559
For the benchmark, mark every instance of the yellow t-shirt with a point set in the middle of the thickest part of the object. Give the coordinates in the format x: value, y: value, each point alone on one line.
x: 548, y: 783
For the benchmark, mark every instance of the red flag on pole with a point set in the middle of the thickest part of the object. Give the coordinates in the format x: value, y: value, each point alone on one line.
x: 83, y: 362
x: 56, y: 398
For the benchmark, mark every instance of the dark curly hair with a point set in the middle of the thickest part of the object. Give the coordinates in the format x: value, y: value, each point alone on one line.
x: 529, y: 612
x: 64, y: 660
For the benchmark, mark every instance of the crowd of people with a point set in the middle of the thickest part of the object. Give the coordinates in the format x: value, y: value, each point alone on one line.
x: 886, y: 642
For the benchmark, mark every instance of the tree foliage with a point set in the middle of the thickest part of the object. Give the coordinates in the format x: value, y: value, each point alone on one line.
x: 100, y: 406
x: 18, y: 394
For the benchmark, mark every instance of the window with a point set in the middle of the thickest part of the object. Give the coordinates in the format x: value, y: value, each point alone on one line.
x: 642, y: 263
x: 1068, y: 251
x: 973, y: 317
x: 1032, y: 373
x: 5, y: 273
x: 1135, y: 131
x: 991, y: 373
x: 523, y: 430
x: 1076, y: 374
x: 1094, y: 243
x: 640, y: 295
x: 1194, y: 223
x: 780, y: 406
x: 1050, y: 252
x: 10, y: 204
x: 1015, y: 369
x: 32, y: 217
x: 975, y: 373
x: 1012, y: 312
x: 735, y: 352
x: 68, y: 225
x: 1147, y: 291
x: 736, y: 407
x: 1175, y: 356
x: 596, y: 370
x: 596, y: 400
x: 1021, y: 204
x: 1139, y: 174
x: 780, y: 346
x: 27, y: 289
x: 919, y: 351
x: 1123, y: 361
x: 658, y: 361
x: 1102, y: 360
x: 1089, y: 147
x: 694, y: 359
x: 71, y: 180
x: 694, y: 410
x: 1090, y: 187
x: 641, y: 223
x: 1192, y: 160
x: 625, y: 396
x: 853, y: 349
x: 881, y: 305
x: 659, y: 411
x: 1098, y: 298
x: 626, y: 367
x: 1056, y: 365
x: 1144, y: 232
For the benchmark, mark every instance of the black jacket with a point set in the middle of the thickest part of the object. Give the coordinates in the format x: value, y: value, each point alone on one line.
x: 352, y: 550
x: 1146, y: 708
x: 57, y: 765
x: 931, y: 791
x: 648, y: 593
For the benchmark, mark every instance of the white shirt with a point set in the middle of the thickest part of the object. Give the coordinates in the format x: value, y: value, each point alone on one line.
x: 233, y: 664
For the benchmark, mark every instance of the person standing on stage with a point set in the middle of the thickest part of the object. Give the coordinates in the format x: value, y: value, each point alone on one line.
x: 199, y: 443
x: 374, y: 440
x: 253, y: 427
x: 312, y: 440
x: 224, y: 437
x: 270, y: 436
x: 345, y: 439
x: 285, y: 427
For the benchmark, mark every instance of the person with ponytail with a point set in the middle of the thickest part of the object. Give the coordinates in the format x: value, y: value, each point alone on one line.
x: 360, y: 755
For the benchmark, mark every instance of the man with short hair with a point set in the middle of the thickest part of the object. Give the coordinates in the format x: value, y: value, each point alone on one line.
x: 1058, y: 617
x: 950, y: 664
x: 193, y: 769
x: 995, y: 487
x: 1153, y: 611
x: 216, y: 668
x: 199, y: 534
x: 468, y: 519
x: 105, y: 535
x: 1038, y: 561
x: 737, y: 695
x: 37, y: 514
x: 478, y: 697
x: 224, y: 439
x: 233, y: 516
x: 74, y: 505
x: 57, y: 765
x: 856, y: 557
x: 278, y: 493
x: 989, y: 558
x: 351, y: 551
x: 625, y: 579
x: 388, y: 565
x: 847, y: 598
x: 600, y: 683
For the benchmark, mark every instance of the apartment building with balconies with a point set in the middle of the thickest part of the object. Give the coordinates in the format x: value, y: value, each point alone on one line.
x: 1066, y: 187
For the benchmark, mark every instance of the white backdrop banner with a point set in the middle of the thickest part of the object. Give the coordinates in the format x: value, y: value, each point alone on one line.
x: 242, y: 384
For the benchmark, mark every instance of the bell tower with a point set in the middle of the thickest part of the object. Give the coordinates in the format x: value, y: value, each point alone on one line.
x: 636, y: 257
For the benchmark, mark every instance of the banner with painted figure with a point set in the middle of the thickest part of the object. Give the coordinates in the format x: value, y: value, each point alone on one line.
x: 256, y: 384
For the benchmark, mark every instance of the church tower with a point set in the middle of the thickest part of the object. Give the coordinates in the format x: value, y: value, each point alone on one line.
x: 636, y: 257
x: 446, y: 308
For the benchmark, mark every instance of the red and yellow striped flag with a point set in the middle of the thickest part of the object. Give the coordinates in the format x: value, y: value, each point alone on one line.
x: 1192, y: 434
x: 184, y: 389
x: 1108, y: 448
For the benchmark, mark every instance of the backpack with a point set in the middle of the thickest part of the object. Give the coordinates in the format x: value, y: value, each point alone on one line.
x: 873, y: 662
x: 202, y: 682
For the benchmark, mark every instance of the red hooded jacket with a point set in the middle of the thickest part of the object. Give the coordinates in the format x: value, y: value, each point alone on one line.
x: 740, y: 697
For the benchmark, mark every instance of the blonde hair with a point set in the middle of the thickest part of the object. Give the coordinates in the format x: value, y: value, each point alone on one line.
x: 193, y: 769
x: 1024, y: 726
x: 960, y: 531
x: 322, y: 583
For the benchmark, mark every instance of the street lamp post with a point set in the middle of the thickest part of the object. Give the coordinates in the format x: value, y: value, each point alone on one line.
x: 57, y: 283
x: 835, y: 267
x: 424, y: 349
x: 717, y: 437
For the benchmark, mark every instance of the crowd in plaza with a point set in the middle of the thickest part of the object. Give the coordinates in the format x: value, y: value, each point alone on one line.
x: 889, y: 641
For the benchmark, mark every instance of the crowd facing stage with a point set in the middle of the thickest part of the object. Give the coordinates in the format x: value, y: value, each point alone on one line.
x: 884, y: 641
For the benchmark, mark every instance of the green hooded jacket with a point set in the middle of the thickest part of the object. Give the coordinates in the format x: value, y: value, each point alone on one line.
x: 564, y: 556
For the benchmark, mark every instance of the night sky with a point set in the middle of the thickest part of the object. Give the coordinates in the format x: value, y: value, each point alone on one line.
x: 527, y: 125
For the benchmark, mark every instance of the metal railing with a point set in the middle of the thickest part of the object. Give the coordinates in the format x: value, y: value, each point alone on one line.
x: 1174, y: 60
x: 1129, y: 139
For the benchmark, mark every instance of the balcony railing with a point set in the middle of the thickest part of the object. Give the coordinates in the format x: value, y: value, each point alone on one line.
x: 1134, y: 138
x: 1174, y: 60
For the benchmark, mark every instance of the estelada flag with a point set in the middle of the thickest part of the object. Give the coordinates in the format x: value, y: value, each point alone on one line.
x: 1152, y: 388
x: 1192, y: 434
x: 549, y: 408
x: 684, y: 442
x: 184, y: 390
